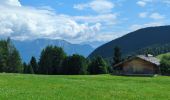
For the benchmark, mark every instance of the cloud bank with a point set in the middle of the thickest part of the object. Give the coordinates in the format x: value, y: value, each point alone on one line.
x: 10, y: 2
x: 21, y: 22
x: 101, y: 23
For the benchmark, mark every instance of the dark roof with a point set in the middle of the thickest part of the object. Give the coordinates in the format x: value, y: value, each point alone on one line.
x: 150, y: 59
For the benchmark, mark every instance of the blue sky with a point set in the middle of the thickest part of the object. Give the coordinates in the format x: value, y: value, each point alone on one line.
x: 79, y: 21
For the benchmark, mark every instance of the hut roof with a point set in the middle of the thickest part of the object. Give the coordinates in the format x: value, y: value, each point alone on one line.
x: 149, y: 58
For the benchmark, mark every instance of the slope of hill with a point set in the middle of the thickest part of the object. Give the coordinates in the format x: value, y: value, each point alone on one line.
x: 135, y: 41
x: 34, y: 47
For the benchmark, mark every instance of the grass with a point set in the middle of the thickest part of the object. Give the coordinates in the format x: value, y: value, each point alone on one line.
x: 161, y: 55
x: 97, y: 87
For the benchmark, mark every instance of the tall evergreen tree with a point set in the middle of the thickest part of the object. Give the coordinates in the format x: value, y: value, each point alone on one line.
x: 25, y: 66
x: 34, y: 65
x: 14, y: 62
x: 51, y: 60
x: 117, y: 55
x: 9, y: 58
x: 3, y: 55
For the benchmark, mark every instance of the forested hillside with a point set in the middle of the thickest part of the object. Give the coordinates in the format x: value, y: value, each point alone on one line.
x: 155, y: 40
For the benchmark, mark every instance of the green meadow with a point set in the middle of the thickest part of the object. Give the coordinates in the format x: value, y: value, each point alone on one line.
x: 88, y: 87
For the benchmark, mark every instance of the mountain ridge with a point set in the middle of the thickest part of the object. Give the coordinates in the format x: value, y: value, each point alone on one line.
x: 28, y: 48
x: 134, y: 41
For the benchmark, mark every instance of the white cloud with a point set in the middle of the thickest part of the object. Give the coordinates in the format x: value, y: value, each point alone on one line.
x: 10, y: 2
x: 80, y: 6
x: 143, y: 15
x: 21, y: 22
x: 156, y: 16
x: 108, y: 19
x: 100, y: 6
x: 141, y: 3
x: 166, y: 2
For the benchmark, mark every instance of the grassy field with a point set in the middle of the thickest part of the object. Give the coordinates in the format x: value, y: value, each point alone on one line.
x: 99, y: 87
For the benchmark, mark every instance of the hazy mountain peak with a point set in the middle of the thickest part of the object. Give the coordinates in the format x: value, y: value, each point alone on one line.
x: 34, y: 47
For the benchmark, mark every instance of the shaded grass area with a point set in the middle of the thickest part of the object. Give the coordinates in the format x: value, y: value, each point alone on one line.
x: 96, y: 87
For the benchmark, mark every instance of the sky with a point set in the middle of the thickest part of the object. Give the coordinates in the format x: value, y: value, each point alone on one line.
x: 79, y: 21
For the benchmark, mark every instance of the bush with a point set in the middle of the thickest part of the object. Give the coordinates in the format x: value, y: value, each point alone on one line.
x: 98, y: 66
x: 74, y: 65
x: 165, y: 65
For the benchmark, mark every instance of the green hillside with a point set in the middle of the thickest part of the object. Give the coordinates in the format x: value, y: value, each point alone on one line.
x: 99, y: 87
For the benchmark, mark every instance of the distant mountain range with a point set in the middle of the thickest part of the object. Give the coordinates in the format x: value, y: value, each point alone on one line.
x: 136, y: 41
x: 30, y: 48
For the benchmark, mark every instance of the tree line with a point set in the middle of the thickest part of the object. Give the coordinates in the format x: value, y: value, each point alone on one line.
x: 155, y: 50
x: 53, y: 61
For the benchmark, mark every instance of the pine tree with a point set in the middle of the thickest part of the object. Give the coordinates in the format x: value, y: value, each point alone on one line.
x: 29, y: 70
x: 9, y: 58
x: 14, y: 62
x: 34, y: 64
x: 117, y: 56
x: 51, y: 60
x: 25, y: 68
